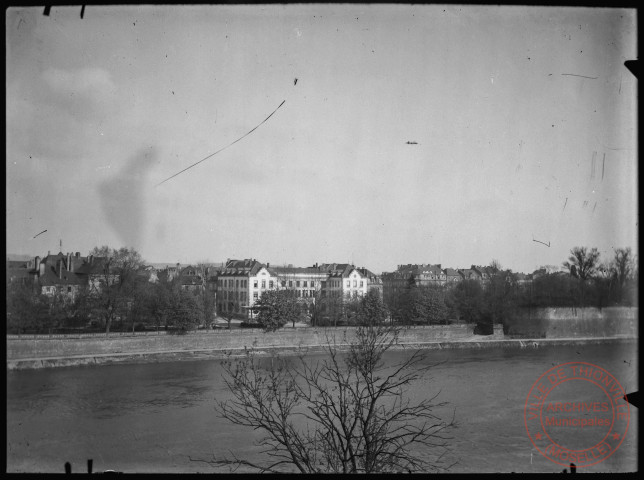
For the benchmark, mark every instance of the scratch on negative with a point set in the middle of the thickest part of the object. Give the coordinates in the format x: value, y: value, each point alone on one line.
x: 224, y: 148
x: 566, y: 203
x: 603, y: 163
x: 582, y: 76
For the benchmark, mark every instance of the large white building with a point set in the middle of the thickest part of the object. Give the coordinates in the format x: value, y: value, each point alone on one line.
x: 241, y: 283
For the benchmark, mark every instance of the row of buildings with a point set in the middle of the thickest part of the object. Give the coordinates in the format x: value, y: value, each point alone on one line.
x: 241, y: 283
x: 238, y: 284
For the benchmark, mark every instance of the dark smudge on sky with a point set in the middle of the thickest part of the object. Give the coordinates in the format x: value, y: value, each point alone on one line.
x: 122, y: 198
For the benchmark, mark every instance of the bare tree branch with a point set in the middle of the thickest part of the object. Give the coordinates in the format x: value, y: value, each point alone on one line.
x: 347, y: 413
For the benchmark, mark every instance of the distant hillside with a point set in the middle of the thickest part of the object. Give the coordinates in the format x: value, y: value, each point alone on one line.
x: 18, y: 258
x: 160, y: 265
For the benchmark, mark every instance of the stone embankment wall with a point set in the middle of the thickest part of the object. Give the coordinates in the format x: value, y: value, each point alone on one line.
x: 573, y: 323
x: 38, y: 348
x: 544, y: 326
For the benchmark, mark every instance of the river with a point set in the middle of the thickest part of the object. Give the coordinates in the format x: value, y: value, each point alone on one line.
x: 160, y: 417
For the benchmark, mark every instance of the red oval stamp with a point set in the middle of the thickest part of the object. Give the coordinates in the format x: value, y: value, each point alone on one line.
x: 576, y: 413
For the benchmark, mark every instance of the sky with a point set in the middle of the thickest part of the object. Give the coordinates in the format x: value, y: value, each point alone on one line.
x: 434, y: 134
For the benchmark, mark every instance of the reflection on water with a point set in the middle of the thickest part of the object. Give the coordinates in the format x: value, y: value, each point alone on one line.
x: 157, y: 417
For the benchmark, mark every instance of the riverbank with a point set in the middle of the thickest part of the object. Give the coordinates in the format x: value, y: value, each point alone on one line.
x: 474, y: 342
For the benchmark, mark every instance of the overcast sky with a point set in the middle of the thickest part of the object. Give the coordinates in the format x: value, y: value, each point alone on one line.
x: 413, y: 134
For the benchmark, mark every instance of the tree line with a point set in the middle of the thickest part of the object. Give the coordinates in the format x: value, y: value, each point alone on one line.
x: 588, y: 282
x: 120, y: 298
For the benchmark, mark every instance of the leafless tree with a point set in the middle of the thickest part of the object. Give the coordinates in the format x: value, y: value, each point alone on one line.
x: 115, y: 281
x: 623, y: 265
x: 496, y: 265
x: 347, y: 413
x: 205, y: 272
x: 582, y: 262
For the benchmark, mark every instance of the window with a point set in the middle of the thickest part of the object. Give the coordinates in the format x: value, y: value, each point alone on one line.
x: 236, y: 283
x: 361, y: 283
x: 255, y: 283
x: 255, y: 295
x: 263, y: 283
x: 69, y: 289
x: 323, y: 284
x: 348, y: 283
x: 305, y: 285
x: 312, y: 293
x: 297, y: 283
x: 355, y: 283
x: 312, y: 283
x: 283, y: 283
x: 270, y: 284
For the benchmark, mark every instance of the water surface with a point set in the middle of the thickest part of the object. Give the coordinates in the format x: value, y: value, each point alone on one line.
x: 160, y: 417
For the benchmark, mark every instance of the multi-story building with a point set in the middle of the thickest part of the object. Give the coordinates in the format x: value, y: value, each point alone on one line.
x: 241, y: 283
x: 344, y: 280
x: 374, y: 282
x: 452, y: 276
x: 97, y: 271
x: 470, y: 274
x: 486, y: 272
x: 421, y: 275
x: 67, y: 273
x: 18, y: 272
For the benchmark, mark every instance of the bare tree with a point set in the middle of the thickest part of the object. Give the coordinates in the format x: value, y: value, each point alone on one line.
x: 116, y: 282
x: 348, y: 413
x: 496, y: 265
x: 208, y: 303
x: 623, y: 265
x: 582, y: 262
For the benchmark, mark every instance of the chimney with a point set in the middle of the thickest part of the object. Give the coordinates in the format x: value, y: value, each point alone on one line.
x: 37, y: 263
x: 60, y: 267
x: 268, y: 265
x: 90, y: 260
x: 77, y: 254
